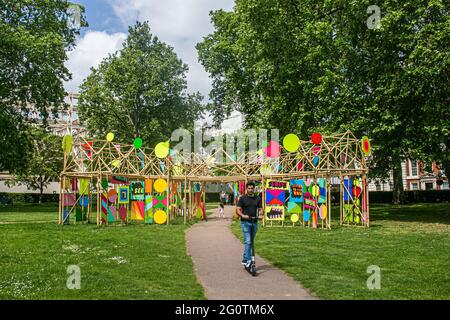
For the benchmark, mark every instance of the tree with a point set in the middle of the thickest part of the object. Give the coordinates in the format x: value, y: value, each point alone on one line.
x: 35, y: 35
x: 304, y: 66
x: 139, y: 92
x: 44, y: 162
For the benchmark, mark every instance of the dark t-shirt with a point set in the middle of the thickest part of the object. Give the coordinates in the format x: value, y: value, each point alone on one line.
x: 250, y: 205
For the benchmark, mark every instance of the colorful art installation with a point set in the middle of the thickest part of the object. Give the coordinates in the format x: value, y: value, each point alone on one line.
x: 148, y: 188
x: 119, y: 180
x: 84, y: 186
x: 74, y: 184
x: 160, y: 202
x: 69, y: 199
x: 316, y: 138
x: 112, y: 195
x: 123, y: 212
x: 294, y: 218
x: 292, y: 176
x: 84, y: 201
x: 296, y: 190
x: 365, y: 146
x: 110, y: 137
x: 291, y: 142
x: 112, y: 214
x: 124, y: 195
x: 137, y: 210
x: 160, y: 217
x: 162, y: 149
x: 88, y: 149
x: 137, y: 190
x: 104, y: 197
x: 354, y: 208
x: 67, y: 143
x: 275, y: 197
x: 148, y: 209
x: 241, y: 187
x: 160, y: 185
x: 137, y: 143
x: 274, y: 213
x: 275, y: 184
x: 294, y: 207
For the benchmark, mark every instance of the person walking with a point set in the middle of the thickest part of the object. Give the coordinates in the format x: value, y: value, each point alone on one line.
x: 221, y: 211
x: 249, y: 209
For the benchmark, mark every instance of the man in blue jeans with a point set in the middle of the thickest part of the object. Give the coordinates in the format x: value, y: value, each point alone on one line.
x: 249, y: 209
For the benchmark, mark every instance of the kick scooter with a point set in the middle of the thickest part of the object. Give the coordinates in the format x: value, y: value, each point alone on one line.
x: 252, y: 268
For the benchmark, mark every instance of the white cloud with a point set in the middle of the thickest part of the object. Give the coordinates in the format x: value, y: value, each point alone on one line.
x: 90, y: 50
x: 181, y: 24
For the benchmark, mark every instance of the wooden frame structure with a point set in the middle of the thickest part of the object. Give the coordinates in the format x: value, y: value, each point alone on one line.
x: 339, y: 156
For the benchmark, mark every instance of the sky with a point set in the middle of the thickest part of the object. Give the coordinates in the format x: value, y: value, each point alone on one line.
x: 179, y: 23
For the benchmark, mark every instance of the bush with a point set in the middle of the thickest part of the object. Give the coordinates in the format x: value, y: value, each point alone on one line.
x: 11, y: 198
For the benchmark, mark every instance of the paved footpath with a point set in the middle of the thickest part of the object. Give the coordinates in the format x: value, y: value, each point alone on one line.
x: 217, y: 256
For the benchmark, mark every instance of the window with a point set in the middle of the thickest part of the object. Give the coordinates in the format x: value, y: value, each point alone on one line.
x: 429, y: 186
x: 445, y: 185
x: 378, y: 186
x: 414, y: 168
x: 414, y: 186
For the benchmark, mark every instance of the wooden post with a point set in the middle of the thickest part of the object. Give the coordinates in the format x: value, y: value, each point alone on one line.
x: 341, y: 200
x: 204, y: 198
x: 184, y: 201
x: 99, y: 199
x: 263, y: 191
x: 328, y: 221
x: 61, y: 196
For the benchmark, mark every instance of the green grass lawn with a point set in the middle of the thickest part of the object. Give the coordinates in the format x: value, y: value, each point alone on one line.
x: 29, y: 212
x: 116, y: 262
x: 410, y: 244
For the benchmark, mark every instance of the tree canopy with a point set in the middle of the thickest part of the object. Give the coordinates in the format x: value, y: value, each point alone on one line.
x: 302, y: 66
x: 34, y: 37
x: 139, y: 92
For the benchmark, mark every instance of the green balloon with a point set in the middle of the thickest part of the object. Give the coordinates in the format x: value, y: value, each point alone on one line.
x: 137, y: 143
x: 104, y: 183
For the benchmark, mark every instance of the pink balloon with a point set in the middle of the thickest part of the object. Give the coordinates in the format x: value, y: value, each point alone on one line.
x: 273, y: 149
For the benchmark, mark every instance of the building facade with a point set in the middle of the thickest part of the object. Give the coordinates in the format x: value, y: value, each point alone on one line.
x: 415, y: 177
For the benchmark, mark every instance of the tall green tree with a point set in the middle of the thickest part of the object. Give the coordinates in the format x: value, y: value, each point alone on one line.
x: 139, y: 92
x: 316, y: 65
x: 34, y: 37
x: 44, y: 162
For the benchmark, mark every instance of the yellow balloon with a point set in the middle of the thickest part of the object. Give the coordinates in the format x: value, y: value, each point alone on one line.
x: 291, y: 142
x: 294, y: 218
x: 160, y: 185
x: 110, y: 136
x: 160, y: 217
x: 67, y: 143
x: 162, y: 150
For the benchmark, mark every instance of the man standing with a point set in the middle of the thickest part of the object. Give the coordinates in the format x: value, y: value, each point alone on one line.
x: 249, y: 209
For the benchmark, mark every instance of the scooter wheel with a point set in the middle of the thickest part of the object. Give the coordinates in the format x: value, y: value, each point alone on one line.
x: 253, y: 270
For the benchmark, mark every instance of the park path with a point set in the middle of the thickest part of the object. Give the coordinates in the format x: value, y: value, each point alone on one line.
x: 217, y: 255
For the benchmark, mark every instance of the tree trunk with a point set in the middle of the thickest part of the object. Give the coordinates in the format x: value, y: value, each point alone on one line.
x: 446, y: 162
x: 41, y: 192
x: 399, y: 195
